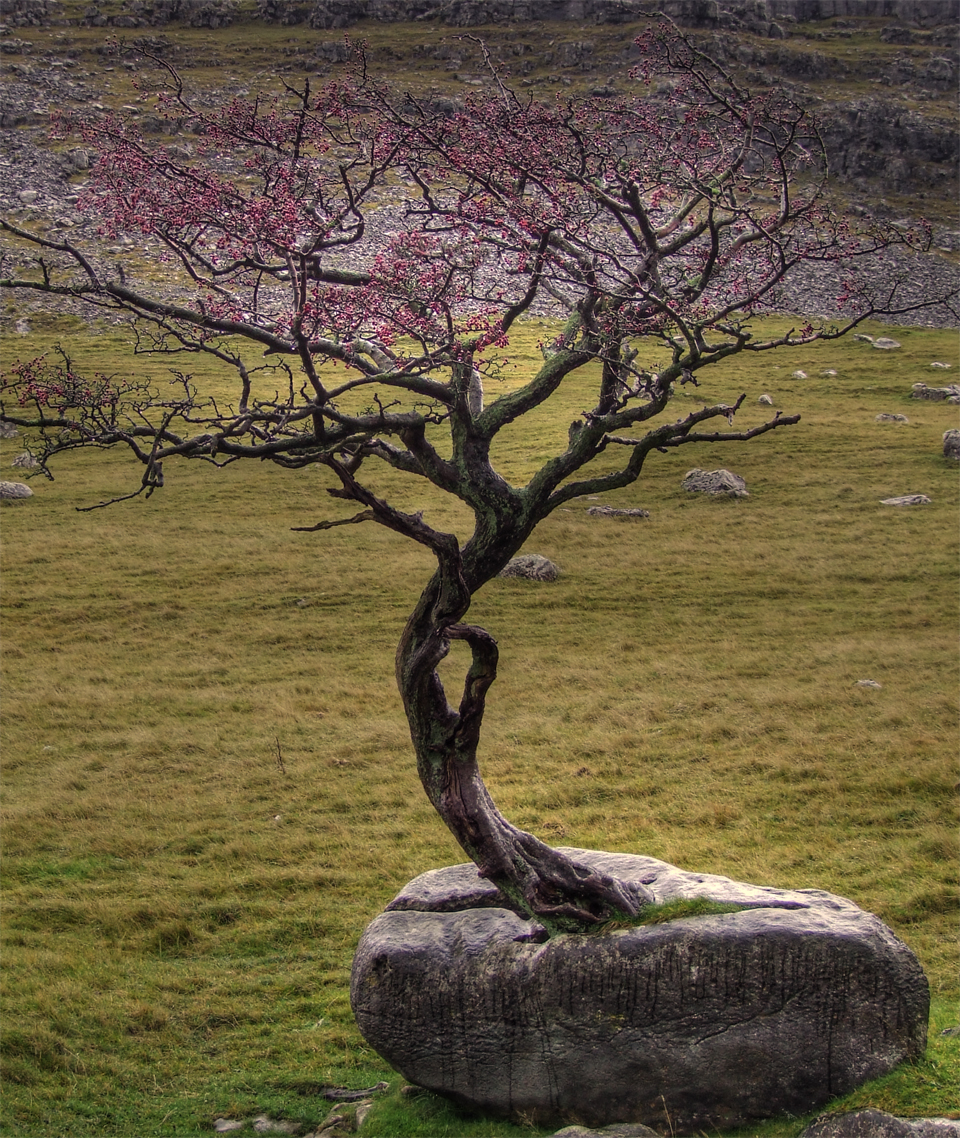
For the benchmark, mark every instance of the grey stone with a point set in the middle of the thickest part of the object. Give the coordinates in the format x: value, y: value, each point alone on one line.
x: 879, y: 1124
x: 15, y: 490
x: 906, y: 500
x: 891, y: 417
x: 884, y: 343
x: 868, y: 684
x: 951, y: 444
x: 612, y: 512
x: 766, y: 400
x: 719, y: 482
x: 718, y: 1020
x: 531, y: 567
x: 617, y: 1130
x: 948, y: 394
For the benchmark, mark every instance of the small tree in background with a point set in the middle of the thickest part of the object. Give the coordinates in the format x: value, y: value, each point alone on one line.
x: 659, y: 226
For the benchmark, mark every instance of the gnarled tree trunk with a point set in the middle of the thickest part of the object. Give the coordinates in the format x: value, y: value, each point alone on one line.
x: 535, y: 879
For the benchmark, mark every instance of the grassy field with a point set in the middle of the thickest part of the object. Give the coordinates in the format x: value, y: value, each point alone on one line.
x: 208, y: 788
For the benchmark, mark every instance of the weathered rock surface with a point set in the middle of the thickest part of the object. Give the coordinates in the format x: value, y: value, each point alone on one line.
x: 906, y: 500
x: 15, y: 490
x: 948, y: 394
x: 718, y: 1020
x: 951, y: 444
x: 617, y: 1130
x: 720, y: 482
x: 532, y: 567
x: 879, y: 1124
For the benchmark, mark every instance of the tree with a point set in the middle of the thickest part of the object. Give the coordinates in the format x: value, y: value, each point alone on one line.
x: 660, y: 225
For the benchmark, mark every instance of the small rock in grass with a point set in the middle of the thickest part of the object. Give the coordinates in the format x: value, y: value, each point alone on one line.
x: 617, y: 1130
x: 949, y: 394
x: 266, y: 1125
x: 951, y: 444
x: 611, y: 512
x: 906, y: 500
x: 889, y: 417
x: 937, y: 363
x: 829, y: 372
x: 718, y: 482
x: 884, y: 343
x: 531, y: 567
x: 868, y: 684
x: 799, y: 375
x: 15, y: 490
x: 225, y: 1125
x: 766, y: 399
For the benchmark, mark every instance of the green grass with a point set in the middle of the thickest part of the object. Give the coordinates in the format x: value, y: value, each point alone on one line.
x: 181, y: 908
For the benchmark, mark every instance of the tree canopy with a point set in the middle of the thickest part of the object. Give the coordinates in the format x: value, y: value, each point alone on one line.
x: 655, y: 225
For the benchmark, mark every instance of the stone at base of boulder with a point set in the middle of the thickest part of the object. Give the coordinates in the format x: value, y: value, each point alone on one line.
x: 701, y: 1023
x: 878, y: 1124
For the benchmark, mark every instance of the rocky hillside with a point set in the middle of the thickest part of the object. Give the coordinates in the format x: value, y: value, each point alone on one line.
x: 881, y: 74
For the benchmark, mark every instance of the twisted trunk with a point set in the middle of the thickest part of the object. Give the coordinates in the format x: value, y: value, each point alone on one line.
x: 535, y: 879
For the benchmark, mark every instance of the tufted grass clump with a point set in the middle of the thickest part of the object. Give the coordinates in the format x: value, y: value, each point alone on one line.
x: 677, y: 909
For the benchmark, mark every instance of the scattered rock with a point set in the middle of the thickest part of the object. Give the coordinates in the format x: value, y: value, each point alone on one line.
x: 799, y: 375
x: 611, y: 512
x: 617, y: 1130
x: 891, y: 417
x: 949, y: 394
x: 263, y: 1124
x: 937, y: 363
x: 877, y: 1124
x: 26, y: 461
x: 829, y: 372
x: 868, y: 684
x: 710, y: 1022
x: 531, y: 567
x: 906, y: 500
x: 719, y: 482
x: 863, y: 337
x: 884, y: 343
x: 951, y: 444
x: 15, y: 490
x: 226, y: 1125
x: 766, y: 400
x: 8, y: 431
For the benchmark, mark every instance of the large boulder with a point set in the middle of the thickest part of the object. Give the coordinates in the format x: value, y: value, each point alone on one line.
x: 697, y: 1023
